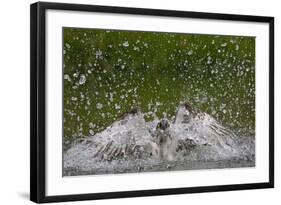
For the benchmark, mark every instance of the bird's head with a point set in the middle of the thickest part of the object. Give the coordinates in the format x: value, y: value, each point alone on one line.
x: 163, y: 125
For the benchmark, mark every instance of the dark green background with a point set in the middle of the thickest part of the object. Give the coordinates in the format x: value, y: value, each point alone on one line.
x: 156, y: 71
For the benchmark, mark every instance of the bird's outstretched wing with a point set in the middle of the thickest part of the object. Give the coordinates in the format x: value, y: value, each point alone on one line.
x: 193, y: 127
x: 126, y: 137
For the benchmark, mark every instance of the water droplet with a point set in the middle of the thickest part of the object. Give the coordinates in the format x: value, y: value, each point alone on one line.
x: 117, y: 107
x: 98, y: 54
x: 82, y: 79
x: 67, y: 46
x: 91, y: 132
x: 99, y: 106
x: 126, y: 44
x: 67, y: 77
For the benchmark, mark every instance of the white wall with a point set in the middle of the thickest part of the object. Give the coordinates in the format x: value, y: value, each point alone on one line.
x: 14, y: 101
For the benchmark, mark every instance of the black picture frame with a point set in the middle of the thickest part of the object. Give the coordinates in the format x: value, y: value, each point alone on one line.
x: 38, y: 101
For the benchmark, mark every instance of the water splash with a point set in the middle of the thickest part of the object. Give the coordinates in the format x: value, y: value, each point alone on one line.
x: 193, y: 140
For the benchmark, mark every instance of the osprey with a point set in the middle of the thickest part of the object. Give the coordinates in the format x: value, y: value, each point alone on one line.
x: 165, y: 141
x: 130, y: 137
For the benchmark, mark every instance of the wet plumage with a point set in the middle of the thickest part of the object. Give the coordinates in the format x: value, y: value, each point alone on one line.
x: 130, y: 137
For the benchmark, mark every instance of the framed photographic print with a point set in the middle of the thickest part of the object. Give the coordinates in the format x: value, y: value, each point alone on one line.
x: 129, y: 102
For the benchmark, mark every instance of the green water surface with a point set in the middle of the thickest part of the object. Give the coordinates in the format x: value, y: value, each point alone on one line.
x: 107, y: 72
